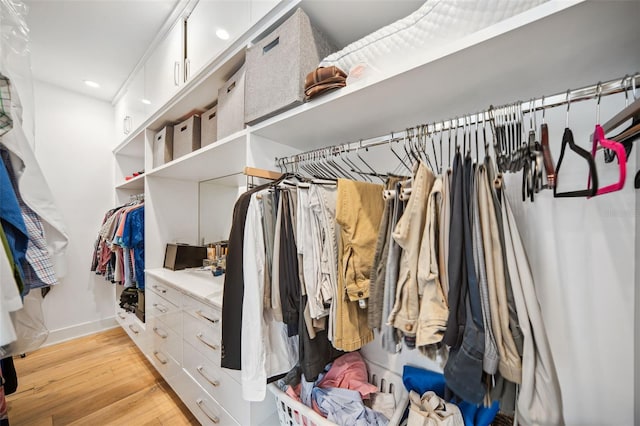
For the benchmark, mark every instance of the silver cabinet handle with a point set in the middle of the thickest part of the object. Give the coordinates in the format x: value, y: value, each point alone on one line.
x: 160, y: 289
x: 157, y: 331
x: 200, y: 337
x: 176, y: 73
x: 126, y: 125
x: 163, y: 361
x: 187, y: 69
x: 133, y: 329
x: 215, y: 383
x: 161, y: 308
x: 201, y: 314
x: 213, y: 418
x: 122, y: 316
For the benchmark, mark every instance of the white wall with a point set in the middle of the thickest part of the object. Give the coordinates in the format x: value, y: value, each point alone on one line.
x: 74, y: 136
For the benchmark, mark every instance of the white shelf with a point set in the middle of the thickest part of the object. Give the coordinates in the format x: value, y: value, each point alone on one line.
x: 199, y: 283
x: 223, y: 158
x: 136, y: 183
x: 471, y: 73
x: 132, y: 146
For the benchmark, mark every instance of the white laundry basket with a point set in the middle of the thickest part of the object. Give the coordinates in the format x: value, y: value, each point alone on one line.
x: 294, y: 413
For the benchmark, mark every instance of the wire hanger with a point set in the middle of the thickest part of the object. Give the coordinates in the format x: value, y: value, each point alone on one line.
x: 600, y: 140
x: 567, y: 140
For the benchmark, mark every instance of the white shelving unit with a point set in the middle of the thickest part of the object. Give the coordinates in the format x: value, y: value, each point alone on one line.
x: 136, y: 183
x: 513, y: 59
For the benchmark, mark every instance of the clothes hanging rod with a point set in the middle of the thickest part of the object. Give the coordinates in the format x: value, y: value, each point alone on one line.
x: 611, y: 87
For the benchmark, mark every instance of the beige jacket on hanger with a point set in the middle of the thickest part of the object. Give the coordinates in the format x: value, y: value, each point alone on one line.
x: 539, y: 400
x: 509, y: 365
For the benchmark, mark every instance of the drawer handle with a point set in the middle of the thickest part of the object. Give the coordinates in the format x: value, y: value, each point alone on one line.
x: 160, y: 289
x: 163, y: 361
x: 163, y: 335
x: 133, y: 329
x: 122, y: 316
x: 215, y: 383
x: 201, y: 314
x: 203, y: 340
x: 161, y: 308
x: 213, y: 418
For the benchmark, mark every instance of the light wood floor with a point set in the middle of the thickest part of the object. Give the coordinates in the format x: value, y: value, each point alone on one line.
x: 102, y: 379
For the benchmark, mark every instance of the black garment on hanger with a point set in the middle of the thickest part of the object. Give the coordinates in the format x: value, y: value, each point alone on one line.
x: 233, y: 293
x: 314, y: 354
x: 456, y: 262
x: 289, y: 273
x: 463, y: 371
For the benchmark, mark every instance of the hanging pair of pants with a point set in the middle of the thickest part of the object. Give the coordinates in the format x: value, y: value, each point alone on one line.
x: 358, y: 212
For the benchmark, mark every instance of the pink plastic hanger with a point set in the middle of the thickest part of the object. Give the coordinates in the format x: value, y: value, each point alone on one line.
x: 600, y: 139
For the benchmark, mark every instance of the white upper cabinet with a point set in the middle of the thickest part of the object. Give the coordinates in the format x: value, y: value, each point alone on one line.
x: 212, y: 26
x: 164, y: 72
x: 259, y: 8
x: 131, y: 110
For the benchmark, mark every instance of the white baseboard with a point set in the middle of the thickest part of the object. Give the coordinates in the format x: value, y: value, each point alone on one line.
x: 79, y: 330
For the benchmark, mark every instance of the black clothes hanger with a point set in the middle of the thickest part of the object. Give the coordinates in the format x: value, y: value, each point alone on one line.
x: 567, y: 140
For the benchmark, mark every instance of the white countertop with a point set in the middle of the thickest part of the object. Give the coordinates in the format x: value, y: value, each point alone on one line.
x: 198, y: 283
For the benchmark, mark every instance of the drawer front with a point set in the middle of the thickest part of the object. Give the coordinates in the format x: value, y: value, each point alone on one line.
x: 122, y: 317
x: 202, y: 311
x: 204, y: 336
x: 165, y: 364
x: 163, y: 309
x: 166, y: 291
x: 138, y: 332
x: 203, y: 406
x: 225, y: 390
x: 166, y: 339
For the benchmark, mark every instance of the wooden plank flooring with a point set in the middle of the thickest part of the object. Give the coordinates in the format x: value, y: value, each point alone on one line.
x: 102, y: 379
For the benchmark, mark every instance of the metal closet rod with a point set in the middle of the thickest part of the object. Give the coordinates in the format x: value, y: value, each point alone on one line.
x: 607, y: 88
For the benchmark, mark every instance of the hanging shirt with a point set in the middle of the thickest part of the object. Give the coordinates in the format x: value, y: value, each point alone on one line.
x: 13, y: 224
x: 133, y: 237
x: 10, y: 300
x: 39, y: 270
x: 267, y: 350
x: 36, y: 193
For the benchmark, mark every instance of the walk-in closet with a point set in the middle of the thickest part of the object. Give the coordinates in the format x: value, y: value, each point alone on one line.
x: 319, y: 212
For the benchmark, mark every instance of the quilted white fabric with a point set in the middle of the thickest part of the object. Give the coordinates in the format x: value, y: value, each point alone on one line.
x: 436, y: 21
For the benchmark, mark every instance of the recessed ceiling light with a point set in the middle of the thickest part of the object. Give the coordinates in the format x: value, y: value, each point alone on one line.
x: 146, y: 101
x: 91, y: 84
x: 222, y: 34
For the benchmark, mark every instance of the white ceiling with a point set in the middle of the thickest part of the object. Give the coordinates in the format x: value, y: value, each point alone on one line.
x: 99, y: 40
x: 103, y: 40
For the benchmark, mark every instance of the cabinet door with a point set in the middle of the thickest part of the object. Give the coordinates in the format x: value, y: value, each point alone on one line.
x: 259, y: 8
x: 130, y: 111
x: 163, y: 70
x: 121, y: 118
x: 212, y: 26
x: 134, y: 101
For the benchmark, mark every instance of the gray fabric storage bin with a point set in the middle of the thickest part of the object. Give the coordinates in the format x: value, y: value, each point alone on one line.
x: 209, y: 126
x: 186, y: 136
x: 231, y: 105
x: 278, y: 64
x: 163, y: 146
